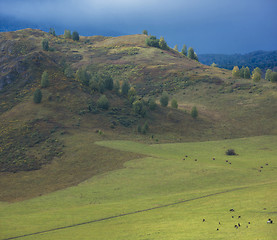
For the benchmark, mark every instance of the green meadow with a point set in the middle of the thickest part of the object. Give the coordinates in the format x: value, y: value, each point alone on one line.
x: 164, y: 195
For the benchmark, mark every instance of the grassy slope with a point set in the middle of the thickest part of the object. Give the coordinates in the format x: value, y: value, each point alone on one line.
x: 226, y: 106
x: 162, y: 178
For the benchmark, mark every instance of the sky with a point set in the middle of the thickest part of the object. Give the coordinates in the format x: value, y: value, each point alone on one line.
x: 209, y: 26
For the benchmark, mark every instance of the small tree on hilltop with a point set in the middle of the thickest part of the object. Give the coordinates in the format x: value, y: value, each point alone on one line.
x: 192, y: 55
x: 37, y: 96
x: 145, y: 32
x: 44, y: 80
x: 152, y: 41
x: 176, y: 48
x: 235, y: 71
x: 241, y: 72
x: 184, y: 50
x: 164, y: 99
x: 194, y: 112
x: 163, y: 44
x: 75, y: 36
x: 67, y: 34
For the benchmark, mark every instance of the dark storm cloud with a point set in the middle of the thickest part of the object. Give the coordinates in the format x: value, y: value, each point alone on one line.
x: 218, y: 26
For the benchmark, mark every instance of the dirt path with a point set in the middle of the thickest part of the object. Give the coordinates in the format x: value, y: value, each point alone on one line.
x: 124, y: 214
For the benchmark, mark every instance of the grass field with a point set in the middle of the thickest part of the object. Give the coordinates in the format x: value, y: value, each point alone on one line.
x: 172, y: 195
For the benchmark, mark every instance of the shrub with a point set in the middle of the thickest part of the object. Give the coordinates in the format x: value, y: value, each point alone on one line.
x: 125, y: 88
x: 164, y: 99
x: 44, y: 80
x: 45, y: 45
x: 37, y: 96
x: 213, y: 65
x: 194, y: 112
x: 145, y: 32
x: 108, y: 81
x: 83, y: 76
x: 176, y: 48
x: 152, y: 104
x: 68, y: 72
x: 116, y: 86
x: 103, y: 102
x: 174, y: 103
x: 132, y: 95
x: 145, y: 128
x: 152, y: 41
x: 139, y: 107
x: 230, y: 152
x: 75, y: 36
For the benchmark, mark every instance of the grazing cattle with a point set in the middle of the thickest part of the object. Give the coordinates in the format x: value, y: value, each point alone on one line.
x: 226, y: 161
x: 195, y: 160
x: 260, y: 170
x: 266, y: 164
x: 231, y: 210
x: 238, y: 216
x: 232, y: 216
x: 238, y: 224
x: 248, y: 222
x: 217, y: 229
x: 204, y: 219
x: 230, y: 163
x: 269, y: 221
x: 219, y: 223
x: 262, y: 167
x: 186, y: 156
x: 213, y: 158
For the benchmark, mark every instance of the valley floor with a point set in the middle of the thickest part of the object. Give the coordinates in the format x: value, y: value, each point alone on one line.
x: 164, y: 195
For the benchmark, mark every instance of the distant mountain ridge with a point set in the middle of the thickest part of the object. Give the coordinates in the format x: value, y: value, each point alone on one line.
x: 262, y: 59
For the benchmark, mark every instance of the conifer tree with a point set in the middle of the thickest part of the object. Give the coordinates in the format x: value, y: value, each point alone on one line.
x: 176, y: 48
x: 67, y: 34
x: 268, y: 74
x: 163, y: 44
x: 194, y: 112
x: 235, y: 71
x: 184, y: 50
x: 45, y: 45
x: 37, y: 96
x: 164, y: 99
x: 75, y: 36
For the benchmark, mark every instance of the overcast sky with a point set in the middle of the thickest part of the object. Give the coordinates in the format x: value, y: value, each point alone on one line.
x: 209, y: 26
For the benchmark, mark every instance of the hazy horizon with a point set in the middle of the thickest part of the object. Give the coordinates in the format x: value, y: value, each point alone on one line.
x: 219, y: 27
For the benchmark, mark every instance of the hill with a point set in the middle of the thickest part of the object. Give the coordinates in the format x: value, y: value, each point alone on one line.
x: 262, y: 59
x: 51, y: 145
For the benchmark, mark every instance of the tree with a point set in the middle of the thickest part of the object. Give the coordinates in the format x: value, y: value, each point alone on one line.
x: 191, y: 54
x: 163, y: 44
x: 108, y: 81
x: 145, y: 128
x: 139, y: 107
x: 194, y: 112
x: 273, y: 77
x: 257, y: 74
x: 116, y: 86
x: 103, y: 102
x: 152, y: 103
x: 213, y: 65
x: 235, y: 71
x: 44, y: 80
x: 132, y: 95
x: 241, y: 72
x: 176, y: 48
x: 37, y: 96
x: 184, y: 50
x: 83, y: 76
x: 268, y: 74
x: 52, y: 31
x: 152, y: 41
x: 45, y: 45
x: 125, y: 88
x: 68, y: 72
x: 247, y: 74
x: 174, y: 103
x: 75, y: 36
x: 145, y: 32
x: 164, y: 99
x: 67, y: 34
